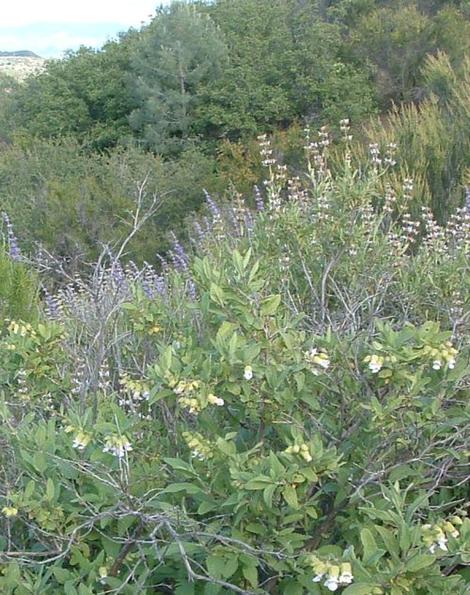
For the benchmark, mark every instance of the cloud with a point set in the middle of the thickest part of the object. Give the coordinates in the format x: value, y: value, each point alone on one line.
x: 26, y: 12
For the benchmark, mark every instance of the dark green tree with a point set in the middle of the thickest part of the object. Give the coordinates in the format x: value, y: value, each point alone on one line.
x: 179, y: 54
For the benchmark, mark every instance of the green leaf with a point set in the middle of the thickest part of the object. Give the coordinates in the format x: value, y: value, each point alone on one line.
x: 359, y: 589
x: 166, y: 359
x: 250, y: 572
x: 61, y: 575
x: 419, y: 562
x: 50, y: 490
x: 215, y: 566
x: 268, y: 495
x: 290, y: 496
x: 189, y: 488
x: 270, y: 305
x: 180, y: 465
x: 368, y: 543
x: 258, y: 483
x: 389, y: 540
x: 29, y: 489
x: 185, y: 589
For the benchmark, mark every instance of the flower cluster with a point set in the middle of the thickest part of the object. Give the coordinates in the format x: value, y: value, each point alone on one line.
x: 81, y: 440
x: 21, y: 328
x: 201, y: 449
x: 345, y: 127
x: 134, y: 392
x: 117, y: 446
x: 375, y: 363
x: 185, y: 390
x: 248, y: 373
x: 213, y: 400
x: 335, y: 574
x: 300, y: 449
x: 9, y: 511
x: 444, y: 355
x: 318, y: 360
x: 437, y: 536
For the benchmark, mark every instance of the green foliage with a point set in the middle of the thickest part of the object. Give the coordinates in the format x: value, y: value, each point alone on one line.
x: 18, y: 289
x: 431, y: 137
x: 72, y: 202
x: 190, y: 54
x: 288, y: 413
x: 85, y: 95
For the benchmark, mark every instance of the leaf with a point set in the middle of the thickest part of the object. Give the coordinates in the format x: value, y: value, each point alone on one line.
x: 29, y: 490
x: 419, y: 562
x: 389, y: 540
x: 61, y: 575
x: 270, y: 305
x: 368, y: 543
x: 268, y: 495
x: 250, y: 572
x: 185, y: 589
x: 180, y: 465
x: 215, y: 566
x: 290, y: 496
x: 292, y: 588
x: 50, y: 490
x: 189, y: 488
x: 166, y: 359
x: 258, y: 483
x: 359, y: 589
x: 217, y: 294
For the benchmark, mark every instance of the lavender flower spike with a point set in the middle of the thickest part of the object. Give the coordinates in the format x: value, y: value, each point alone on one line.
x: 259, y: 200
x: 14, y: 249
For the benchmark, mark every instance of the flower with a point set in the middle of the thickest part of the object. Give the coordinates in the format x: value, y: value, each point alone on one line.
x: 248, y: 373
x: 318, y: 578
x: 346, y: 576
x: 317, y: 358
x: 375, y: 363
x: 9, y: 511
x: 117, y: 446
x: 213, y: 400
x: 436, y: 364
x: 332, y: 580
x: 81, y: 441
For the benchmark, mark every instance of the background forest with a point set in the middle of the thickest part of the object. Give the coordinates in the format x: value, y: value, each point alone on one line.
x: 234, y: 294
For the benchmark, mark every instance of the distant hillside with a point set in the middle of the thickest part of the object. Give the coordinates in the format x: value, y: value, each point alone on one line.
x: 19, y: 54
x: 21, y: 64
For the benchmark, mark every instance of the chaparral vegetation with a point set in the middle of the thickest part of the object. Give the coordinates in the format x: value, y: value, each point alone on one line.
x: 234, y: 299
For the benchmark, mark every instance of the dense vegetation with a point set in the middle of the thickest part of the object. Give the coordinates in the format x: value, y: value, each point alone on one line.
x: 234, y: 293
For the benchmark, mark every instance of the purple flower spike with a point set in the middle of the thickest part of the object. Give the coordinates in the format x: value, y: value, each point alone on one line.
x: 13, y: 247
x: 213, y: 207
x: 259, y: 200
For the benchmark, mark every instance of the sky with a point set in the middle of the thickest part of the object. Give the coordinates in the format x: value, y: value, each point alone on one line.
x: 49, y: 27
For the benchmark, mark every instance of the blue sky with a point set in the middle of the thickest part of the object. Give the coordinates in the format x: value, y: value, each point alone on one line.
x: 49, y: 27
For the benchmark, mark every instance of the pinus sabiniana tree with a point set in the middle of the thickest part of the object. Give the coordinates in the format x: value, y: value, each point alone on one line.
x: 180, y: 53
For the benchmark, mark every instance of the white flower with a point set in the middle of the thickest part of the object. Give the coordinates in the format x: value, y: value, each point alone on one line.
x: 81, y: 441
x: 248, y: 373
x: 442, y: 543
x: 451, y: 364
x: 346, y: 578
x: 375, y: 363
x: 436, y: 364
x: 213, y: 400
x: 331, y: 583
x: 323, y: 362
x: 317, y: 578
x: 117, y: 446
